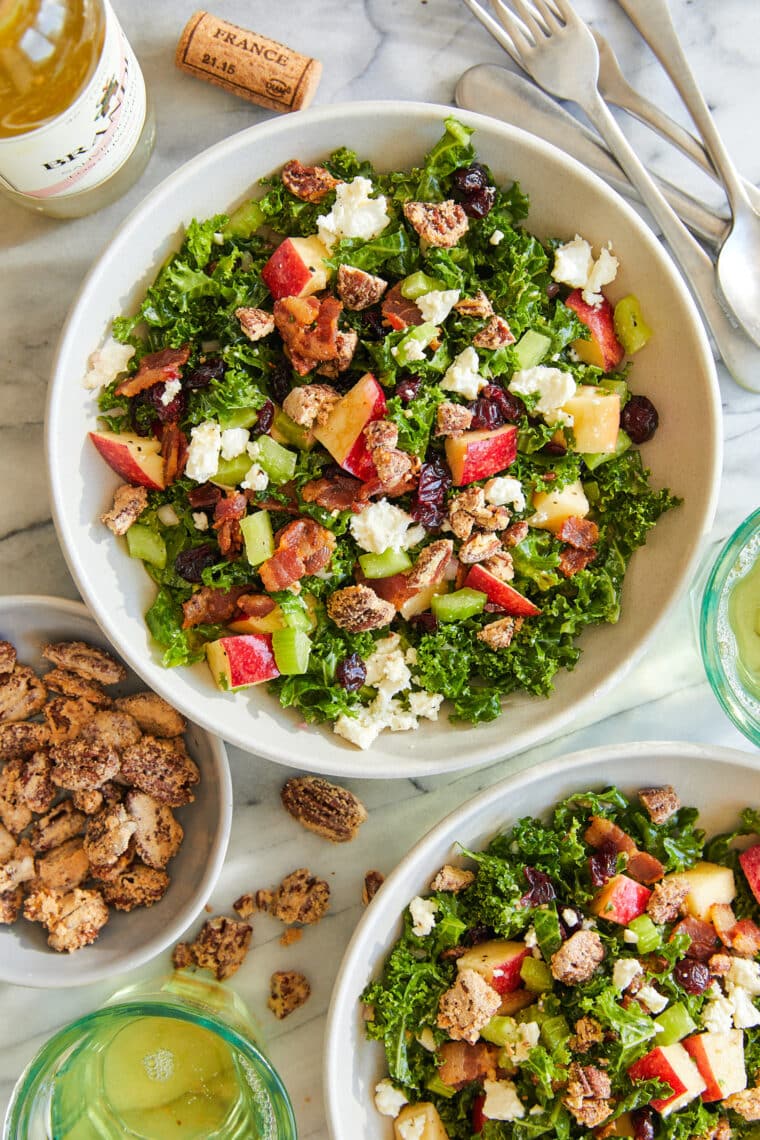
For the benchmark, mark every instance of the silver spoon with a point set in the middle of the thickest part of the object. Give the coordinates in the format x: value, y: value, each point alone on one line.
x: 738, y: 263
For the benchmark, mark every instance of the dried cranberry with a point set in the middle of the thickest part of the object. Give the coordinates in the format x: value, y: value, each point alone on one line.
x: 541, y: 888
x: 552, y: 289
x: 203, y: 496
x: 202, y: 375
x: 426, y: 622
x: 265, y: 420
x: 476, y: 934
x: 480, y: 204
x: 639, y: 419
x: 554, y: 447
x: 486, y: 415
x: 408, y: 388
x: 602, y: 865
x: 351, y: 673
x: 692, y: 976
x: 373, y: 319
x: 512, y: 408
x: 470, y: 178
x: 642, y: 1120
x: 429, y: 500
x: 170, y: 413
x: 191, y: 563
x: 280, y: 381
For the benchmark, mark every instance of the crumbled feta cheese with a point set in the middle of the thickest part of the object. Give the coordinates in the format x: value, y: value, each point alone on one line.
x: 462, y: 375
x: 388, y: 1099
x: 604, y: 271
x: 651, y: 999
x: 531, y: 939
x: 745, y: 1013
x: 497, y: 237
x: 717, y: 1012
x: 553, y: 386
x: 427, y: 1039
x: 745, y: 973
x: 413, y: 1128
x: 362, y: 729
x: 203, y: 452
x: 505, y: 489
x: 536, y: 1110
x: 413, y: 350
x: 387, y: 670
x: 105, y: 364
x: 200, y: 520
x: 219, y: 238
x: 354, y: 214
x: 411, y: 656
x: 624, y: 971
x: 256, y: 478
x: 630, y: 936
x: 569, y: 917
x: 234, y: 442
x: 423, y: 912
x: 573, y: 262
x: 502, y: 1101
x: 425, y: 704
x: 436, y: 305
x: 167, y: 515
x: 382, y: 525
x: 171, y: 389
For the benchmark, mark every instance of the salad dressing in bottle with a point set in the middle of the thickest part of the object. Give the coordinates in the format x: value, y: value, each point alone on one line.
x: 76, y: 128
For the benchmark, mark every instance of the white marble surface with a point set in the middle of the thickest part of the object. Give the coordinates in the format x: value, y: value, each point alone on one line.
x: 408, y: 49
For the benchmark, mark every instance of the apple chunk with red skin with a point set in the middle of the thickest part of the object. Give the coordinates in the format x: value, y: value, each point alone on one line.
x: 343, y: 431
x: 672, y: 1065
x: 480, y: 454
x: 500, y: 593
x: 136, y: 459
x: 720, y: 1060
x: 749, y: 861
x: 498, y: 962
x: 620, y: 900
x: 604, y: 350
x: 296, y: 268
x: 240, y: 661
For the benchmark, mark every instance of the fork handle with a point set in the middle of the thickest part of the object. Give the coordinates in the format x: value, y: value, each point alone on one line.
x: 741, y: 357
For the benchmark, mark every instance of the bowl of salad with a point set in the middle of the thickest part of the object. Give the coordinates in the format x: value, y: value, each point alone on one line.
x: 574, y: 949
x: 355, y: 436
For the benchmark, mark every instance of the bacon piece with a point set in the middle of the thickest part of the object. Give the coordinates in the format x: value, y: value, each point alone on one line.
x: 174, y: 452
x: 745, y: 938
x: 724, y: 920
x: 644, y: 868
x: 210, y: 605
x: 603, y: 833
x: 571, y: 561
x: 309, y: 329
x: 227, y: 515
x: 256, y: 605
x: 579, y: 533
x: 462, y: 1062
x: 303, y: 547
x: 341, y: 493
x: 398, y: 311
x: 155, y: 367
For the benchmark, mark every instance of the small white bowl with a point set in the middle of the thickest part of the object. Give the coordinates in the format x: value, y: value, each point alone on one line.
x: 718, y: 781
x: 128, y: 940
x: 675, y: 369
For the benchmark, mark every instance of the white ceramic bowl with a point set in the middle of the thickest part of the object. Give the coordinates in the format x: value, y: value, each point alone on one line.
x: 128, y: 940
x: 676, y: 370
x: 719, y: 781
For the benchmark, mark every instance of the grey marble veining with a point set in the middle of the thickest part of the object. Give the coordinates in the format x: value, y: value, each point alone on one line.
x: 408, y: 49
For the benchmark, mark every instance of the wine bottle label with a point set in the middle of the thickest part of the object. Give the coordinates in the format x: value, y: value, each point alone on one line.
x: 92, y: 138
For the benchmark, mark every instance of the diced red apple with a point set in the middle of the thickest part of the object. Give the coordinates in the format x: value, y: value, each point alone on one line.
x: 500, y: 593
x: 498, y: 962
x: 135, y: 458
x: 421, y: 1121
x: 620, y: 900
x: 596, y: 419
x: 603, y: 349
x: 750, y: 864
x: 267, y: 623
x: 480, y: 454
x: 720, y: 1060
x: 672, y: 1065
x: 240, y: 661
x: 296, y: 268
x: 708, y: 884
x: 343, y: 431
x: 552, y: 508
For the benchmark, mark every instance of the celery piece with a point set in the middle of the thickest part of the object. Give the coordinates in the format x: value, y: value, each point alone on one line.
x: 436, y: 1085
x: 459, y: 605
x: 500, y: 1030
x: 243, y: 417
x: 417, y: 284
x: 285, y: 430
x: 674, y: 1023
x: 276, y: 460
x: 630, y: 327
x: 144, y: 543
x: 410, y: 347
x: 257, y: 536
x: 231, y: 472
x: 591, y: 491
x: 611, y: 385
x: 291, y: 648
x: 647, y: 935
x: 554, y: 1031
x: 531, y: 348
x: 536, y: 975
x: 596, y: 459
x: 384, y: 565
x: 244, y: 221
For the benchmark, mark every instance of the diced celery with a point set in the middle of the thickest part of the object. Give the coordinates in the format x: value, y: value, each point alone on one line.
x: 531, y: 348
x: 436, y: 1085
x: 299, y: 612
x: 144, y: 543
x: 505, y: 1062
x: 459, y: 605
x: 231, y: 472
x: 591, y: 491
x: 531, y: 1013
x: 384, y: 565
x: 596, y: 459
x: 647, y: 935
x: 499, y: 1030
x: 242, y: 418
x: 630, y: 327
x: 291, y: 648
x: 257, y: 536
x: 674, y: 1023
x: 408, y: 348
x: 417, y: 284
x: 276, y: 460
x: 285, y: 430
x: 611, y: 385
x: 244, y: 221
x: 554, y: 1031
x: 536, y: 975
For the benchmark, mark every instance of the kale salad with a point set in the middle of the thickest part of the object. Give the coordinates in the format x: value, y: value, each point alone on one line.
x: 378, y: 443
x: 595, y: 972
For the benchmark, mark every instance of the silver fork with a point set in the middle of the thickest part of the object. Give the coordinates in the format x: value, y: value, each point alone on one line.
x: 557, y: 49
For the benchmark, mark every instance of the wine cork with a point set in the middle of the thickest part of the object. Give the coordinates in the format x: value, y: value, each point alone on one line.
x: 252, y: 66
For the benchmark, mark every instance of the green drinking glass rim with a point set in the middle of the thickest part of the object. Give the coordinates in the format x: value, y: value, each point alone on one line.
x: 728, y: 697
x: 31, y: 1081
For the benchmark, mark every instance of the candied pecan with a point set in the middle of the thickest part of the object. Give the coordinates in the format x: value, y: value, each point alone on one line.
x: 430, y: 564
x: 380, y: 433
x: 309, y: 183
x: 15, y: 812
x: 392, y: 466
x: 155, y: 368
x: 64, y: 867
x: 357, y: 289
x: 572, y: 560
x: 66, y: 717
x: 476, y: 306
x: 86, y: 660
x: 288, y: 989
x: 515, y: 533
x: 73, y: 919
x: 358, y: 608
x: 129, y: 502
x: 577, y: 958
x: 7, y: 843
x: 346, y: 342
x: 588, y: 1032
x: 222, y: 946
x: 61, y: 823
x: 7, y: 657
x: 38, y: 788
x: 182, y: 956
x: 746, y: 1103
x: 587, y: 1095
x: 373, y: 881
x: 157, y: 835
x: 255, y: 323
x: 108, y: 837
x: 81, y: 766
x: 244, y: 906
x: 327, y: 809
x: 478, y: 547
x: 18, y: 869
x: 173, y: 451
x: 452, y: 879
x: 10, y: 906
x: 137, y: 886
x: 22, y: 694
x: 501, y: 566
x: 310, y: 404
x: 494, y: 335
x: 300, y: 897
x: 467, y: 1007
x: 74, y: 685
x: 156, y: 767
x: 660, y: 803
x: 152, y: 713
x: 339, y: 492
x: 664, y: 903
x: 211, y: 605
x: 579, y: 533
x: 452, y: 419
x: 303, y: 547
x: 398, y: 311
x: 499, y: 634
x: 112, y: 728
x: 440, y: 224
